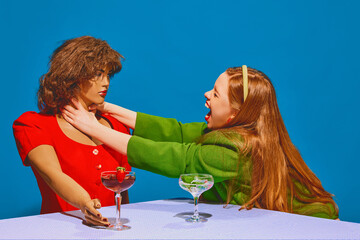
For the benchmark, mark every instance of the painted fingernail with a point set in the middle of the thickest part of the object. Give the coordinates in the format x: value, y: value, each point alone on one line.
x: 105, y: 219
x: 98, y: 215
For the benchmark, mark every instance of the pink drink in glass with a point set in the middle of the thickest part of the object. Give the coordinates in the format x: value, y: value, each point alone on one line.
x: 110, y: 181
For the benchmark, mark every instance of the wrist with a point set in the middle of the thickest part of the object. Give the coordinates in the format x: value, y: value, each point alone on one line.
x: 95, y: 129
x: 81, y: 204
x: 108, y: 108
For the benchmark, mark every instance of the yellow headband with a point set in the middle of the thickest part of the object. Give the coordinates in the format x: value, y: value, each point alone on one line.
x: 246, y: 81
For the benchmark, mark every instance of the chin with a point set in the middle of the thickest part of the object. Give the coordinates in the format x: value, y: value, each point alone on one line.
x: 212, y: 127
x: 99, y: 102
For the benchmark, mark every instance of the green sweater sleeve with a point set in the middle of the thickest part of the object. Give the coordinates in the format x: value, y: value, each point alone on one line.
x: 215, y: 157
x: 167, y: 147
x: 167, y: 129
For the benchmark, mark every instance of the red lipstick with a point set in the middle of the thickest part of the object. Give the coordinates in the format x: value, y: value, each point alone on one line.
x: 103, y: 93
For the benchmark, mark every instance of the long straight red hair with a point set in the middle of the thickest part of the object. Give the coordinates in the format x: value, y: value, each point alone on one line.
x: 277, y: 164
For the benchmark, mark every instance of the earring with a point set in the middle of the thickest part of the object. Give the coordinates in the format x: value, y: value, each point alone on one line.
x: 230, y: 119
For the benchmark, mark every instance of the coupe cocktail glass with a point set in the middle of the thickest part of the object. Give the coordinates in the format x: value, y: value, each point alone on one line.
x: 110, y: 181
x: 196, y: 184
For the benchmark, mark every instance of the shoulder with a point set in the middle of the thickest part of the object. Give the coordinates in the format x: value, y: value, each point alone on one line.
x: 228, y: 139
x: 31, y: 130
x: 116, y: 124
x: 31, y: 118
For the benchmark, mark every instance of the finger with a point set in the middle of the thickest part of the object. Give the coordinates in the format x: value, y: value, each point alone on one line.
x: 77, y: 104
x: 67, y: 118
x: 97, y: 203
x: 92, y: 211
x: 91, y: 222
x: 96, y: 222
x: 92, y: 107
x: 70, y: 109
x: 68, y: 114
x: 96, y: 218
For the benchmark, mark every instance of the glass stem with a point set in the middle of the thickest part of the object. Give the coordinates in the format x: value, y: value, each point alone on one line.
x: 196, y: 212
x: 118, y: 198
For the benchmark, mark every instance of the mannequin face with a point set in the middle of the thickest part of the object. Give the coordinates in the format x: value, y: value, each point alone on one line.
x: 217, y: 100
x: 95, y: 90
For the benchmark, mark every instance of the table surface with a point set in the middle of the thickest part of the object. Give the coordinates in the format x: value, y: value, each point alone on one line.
x: 164, y: 219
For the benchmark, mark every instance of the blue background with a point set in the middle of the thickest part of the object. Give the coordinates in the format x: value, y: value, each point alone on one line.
x: 174, y: 52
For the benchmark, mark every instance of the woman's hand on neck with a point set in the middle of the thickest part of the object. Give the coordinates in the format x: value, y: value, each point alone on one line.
x: 86, y: 105
x: 80, y: 117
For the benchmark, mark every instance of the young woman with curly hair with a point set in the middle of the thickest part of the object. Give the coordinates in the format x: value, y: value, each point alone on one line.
x: 244, y: 145
x: 66, y: 161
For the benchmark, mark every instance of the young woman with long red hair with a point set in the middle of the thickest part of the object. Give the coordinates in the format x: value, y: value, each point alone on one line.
x: 244, y: 145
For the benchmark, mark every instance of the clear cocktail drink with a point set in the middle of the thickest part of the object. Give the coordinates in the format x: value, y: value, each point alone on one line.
x: 196, y: 184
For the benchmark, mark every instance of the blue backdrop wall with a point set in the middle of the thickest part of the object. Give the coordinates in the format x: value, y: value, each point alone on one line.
x: 174, y: 52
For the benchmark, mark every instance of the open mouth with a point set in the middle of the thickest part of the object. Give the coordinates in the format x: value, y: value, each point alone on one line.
x: 207, y: 117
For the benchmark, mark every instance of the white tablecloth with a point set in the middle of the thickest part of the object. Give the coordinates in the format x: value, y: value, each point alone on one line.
x: 164, y: 219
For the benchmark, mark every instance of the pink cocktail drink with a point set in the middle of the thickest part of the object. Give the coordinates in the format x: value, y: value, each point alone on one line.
x: 112, y: 182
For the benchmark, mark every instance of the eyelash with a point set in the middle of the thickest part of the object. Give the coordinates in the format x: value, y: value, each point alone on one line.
x: 99, y: 75
x: 215, y: 95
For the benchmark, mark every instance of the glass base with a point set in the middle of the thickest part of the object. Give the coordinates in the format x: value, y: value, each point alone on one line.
x: 194, y: 219
x: 118, y: 227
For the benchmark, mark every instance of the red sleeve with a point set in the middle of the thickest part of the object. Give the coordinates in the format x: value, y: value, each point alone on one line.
x: 29, y: 133
x: 120, y: 127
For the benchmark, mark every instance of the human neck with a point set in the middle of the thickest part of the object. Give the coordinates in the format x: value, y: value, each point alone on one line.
x: 86, y: 104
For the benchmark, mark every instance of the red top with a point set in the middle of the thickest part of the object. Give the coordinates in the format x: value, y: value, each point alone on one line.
x: 81, y: 162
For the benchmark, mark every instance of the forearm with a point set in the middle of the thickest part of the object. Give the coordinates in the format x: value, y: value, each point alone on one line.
x: 70, y: 191
x: 114, y: 139
x: 124, y: 115
x: 43, y: 160
x: 172, y: 158
x: 167, y: 129
x: 64, y: 186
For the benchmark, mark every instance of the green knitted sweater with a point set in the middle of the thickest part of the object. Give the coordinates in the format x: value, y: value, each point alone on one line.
x: 170, y: 148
